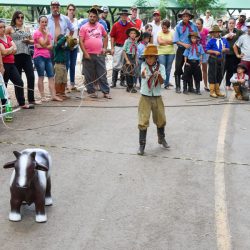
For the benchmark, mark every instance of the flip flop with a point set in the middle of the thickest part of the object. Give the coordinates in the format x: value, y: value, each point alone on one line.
x: 28, y: 106
x: 107, y: 96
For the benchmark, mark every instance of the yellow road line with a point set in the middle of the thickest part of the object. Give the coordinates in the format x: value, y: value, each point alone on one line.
x: 221, y: 214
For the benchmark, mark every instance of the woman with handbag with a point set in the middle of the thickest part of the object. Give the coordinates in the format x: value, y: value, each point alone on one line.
x: 22, y: 38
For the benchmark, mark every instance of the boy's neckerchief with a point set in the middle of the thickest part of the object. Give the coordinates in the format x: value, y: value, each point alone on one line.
x: 239, y: 25
x: 156, y: 67
x: 194, y: 47
x: 238, y: 76
x: 121, y: 23
x: 185, y: 26
x: 133, y: 47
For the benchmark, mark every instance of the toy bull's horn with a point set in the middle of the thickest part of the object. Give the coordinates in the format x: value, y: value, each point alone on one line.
x: 33, y: 155
x: 17, y: 154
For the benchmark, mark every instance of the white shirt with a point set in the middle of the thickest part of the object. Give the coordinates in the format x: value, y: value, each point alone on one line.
x: 244, y: 44
x: 156, y: 30
x: 208, y: 23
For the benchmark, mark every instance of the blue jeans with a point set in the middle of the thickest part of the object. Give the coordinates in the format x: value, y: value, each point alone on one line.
x: 42, y: 65
x: 167, y: 61
x: 71, y: 64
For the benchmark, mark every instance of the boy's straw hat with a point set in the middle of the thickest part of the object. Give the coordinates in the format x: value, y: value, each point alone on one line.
x: 151, y: 50
x: 194, y: 34
x: 215, y: 28
x: 138, y: 33
x: 186, y: 12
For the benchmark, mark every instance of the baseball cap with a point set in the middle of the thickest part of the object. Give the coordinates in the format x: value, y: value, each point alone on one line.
x: 54, y: 3
x: 105, y: 9
x: 156, y: 12
x: 242, y: 14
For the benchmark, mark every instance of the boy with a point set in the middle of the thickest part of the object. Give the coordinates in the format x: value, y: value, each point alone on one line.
x: 141, y: 47
x: 153, y: 76
x: 130, y: 57
x: 239, y: 81
x: 192, y: 60
x: 60, y: 59
x: 216, y: 46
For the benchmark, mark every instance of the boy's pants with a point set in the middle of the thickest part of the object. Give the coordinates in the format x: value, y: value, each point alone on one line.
x: 148, y: 104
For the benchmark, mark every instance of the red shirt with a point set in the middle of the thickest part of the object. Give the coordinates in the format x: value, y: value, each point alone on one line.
x: 8, y: 58
x: 137, y: 23
x: 118, y: 32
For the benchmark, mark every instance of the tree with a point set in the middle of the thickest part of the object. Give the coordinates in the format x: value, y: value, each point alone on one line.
x: 199, y: 6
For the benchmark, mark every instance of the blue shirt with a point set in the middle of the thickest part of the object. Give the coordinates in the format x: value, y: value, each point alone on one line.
x: 213, y: 45
x: 180, y: 36
x: 140, y: 49
x: 154, y: 90
x: 64, y: 22
x: 191, y: 53
x: 101, y: 21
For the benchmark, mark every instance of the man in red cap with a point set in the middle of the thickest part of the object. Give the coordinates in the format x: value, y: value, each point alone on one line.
x: 156, y: 24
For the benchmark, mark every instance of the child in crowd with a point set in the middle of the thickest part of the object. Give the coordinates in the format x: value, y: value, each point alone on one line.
x: 130, y: 57
x: 149, y: 29
x: 153, y: 76
x: 216, y: 46
x: 60, y: 59
x: 192, y: 60
x: 240, y: 82
x: 141, y: 47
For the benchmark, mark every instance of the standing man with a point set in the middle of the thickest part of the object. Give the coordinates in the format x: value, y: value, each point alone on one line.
x: 133, y: 18
x: 58, y: 23
x: 208, y: 20
x: 101, y: 21
x: 243, y: 44
x: 104, y: 16
x: 94, y: 42
x: 181, y: 38
x: 118, y: 36
x: 241, y: 22
x: 156, y: 24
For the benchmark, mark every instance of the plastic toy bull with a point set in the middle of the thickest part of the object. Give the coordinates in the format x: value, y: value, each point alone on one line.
x: 30, y: 182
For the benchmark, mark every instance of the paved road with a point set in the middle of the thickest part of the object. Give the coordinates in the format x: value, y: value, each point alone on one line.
x: 107, y: 197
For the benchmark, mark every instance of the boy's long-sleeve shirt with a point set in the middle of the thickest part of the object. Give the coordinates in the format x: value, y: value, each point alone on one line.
x: 60, y: 51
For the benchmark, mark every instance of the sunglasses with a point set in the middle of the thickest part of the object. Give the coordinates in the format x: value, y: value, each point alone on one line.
x: 2, y: 27
x: 72, y: 9
x: 20, y: 17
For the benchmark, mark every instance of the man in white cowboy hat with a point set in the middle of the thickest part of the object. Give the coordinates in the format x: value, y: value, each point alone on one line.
x: 241, y: 24
x: 118, y: 36
x: 243, y: 44
x: 181, y: 38
x: 208, y: 20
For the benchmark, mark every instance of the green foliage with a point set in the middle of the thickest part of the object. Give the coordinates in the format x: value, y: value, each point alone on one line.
x: 200, y: 6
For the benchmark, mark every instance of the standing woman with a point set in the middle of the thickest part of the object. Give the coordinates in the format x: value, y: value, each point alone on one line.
x: 72, y: 54
x: 204, y: 37
x: 22, y: 38
x: 8, y: 49
x: 231, y: 34
x: 42, y: 58
x: 166, y: 49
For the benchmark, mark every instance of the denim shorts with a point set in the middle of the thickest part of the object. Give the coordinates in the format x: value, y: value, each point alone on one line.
x: 205, y: 58
x: 42, y: 65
